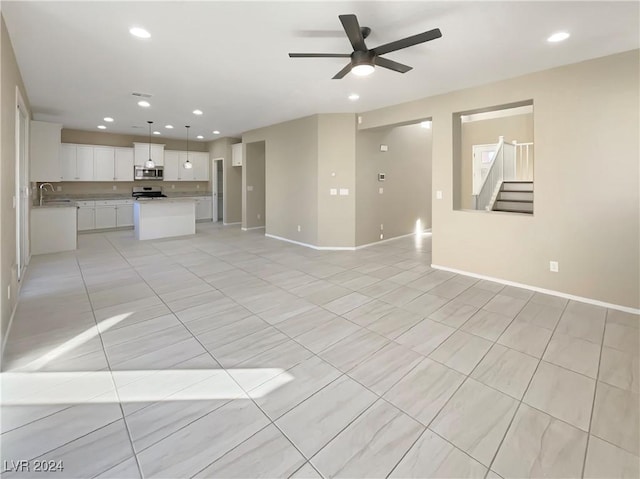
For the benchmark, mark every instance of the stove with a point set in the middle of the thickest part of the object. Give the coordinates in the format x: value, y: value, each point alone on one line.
x: 147, y: 192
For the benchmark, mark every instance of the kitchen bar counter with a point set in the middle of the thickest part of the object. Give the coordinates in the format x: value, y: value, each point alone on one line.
x: 164, y: 218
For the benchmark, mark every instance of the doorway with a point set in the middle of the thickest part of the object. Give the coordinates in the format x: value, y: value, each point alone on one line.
x: 217, y: 189
x: 482, y: 158
x: 21, y: 186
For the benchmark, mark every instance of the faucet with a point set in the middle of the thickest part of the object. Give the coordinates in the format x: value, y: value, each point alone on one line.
x: 42, y: 189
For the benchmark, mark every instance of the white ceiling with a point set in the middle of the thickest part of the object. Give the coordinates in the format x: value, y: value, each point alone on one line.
x: 229, y: 59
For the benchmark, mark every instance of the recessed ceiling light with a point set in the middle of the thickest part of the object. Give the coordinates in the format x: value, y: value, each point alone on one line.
x: 169, y: 127
x: 354, y: 97
x: 216, y: 132
x: 139, y: 32
x: 156, y: 132
x: 197, y: 112
x: 108, y: 119
x: 144, y: 104
x: 102, y: 127
x: 558, y: 37
x: 199, y: 137
x: 425, y: 124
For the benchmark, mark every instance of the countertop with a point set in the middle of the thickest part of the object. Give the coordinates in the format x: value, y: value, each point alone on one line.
x: 105, y: 197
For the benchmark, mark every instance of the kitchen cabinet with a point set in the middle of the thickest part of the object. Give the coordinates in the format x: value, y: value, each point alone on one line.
x: 123, y: 164
x: 44, y: 154
x: 236, y: 154
x: 105, y: 215
x: 175, y: 171
x: 103, y: 163
x: 76, y: 162
x: 124, y: 213
x: 86, y: 215
x: 204, y: 207
x: 141, y: 153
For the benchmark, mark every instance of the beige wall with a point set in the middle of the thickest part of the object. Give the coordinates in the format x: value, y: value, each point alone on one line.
x: 291, y: 164
x: 587, y: 217
x: 10, y: 78
x: 483, y: 132
x: 231, y: 181
x: 253, y: 170
x: 336, y: 169
x: 406, y: 193
x: 115, y: 139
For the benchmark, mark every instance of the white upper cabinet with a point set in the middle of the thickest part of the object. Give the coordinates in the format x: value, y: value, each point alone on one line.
x: 141, y: 153
x: 103, y: 163
x: 44, y: 151
x: 236, y: 154
x: 68, y: 162
x: 76, y: 162
x: 174, y: 169
x: 123, y: 164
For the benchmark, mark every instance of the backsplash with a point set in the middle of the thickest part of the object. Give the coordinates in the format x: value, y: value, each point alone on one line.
x: 74, y: 189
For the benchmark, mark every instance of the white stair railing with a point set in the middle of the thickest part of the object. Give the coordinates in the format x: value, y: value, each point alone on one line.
x: 524, y: 161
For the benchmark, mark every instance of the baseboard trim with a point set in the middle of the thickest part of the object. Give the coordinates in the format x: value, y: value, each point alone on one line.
x: 253, y: 228
x: 340, y: 248
x: 230, y: 224
x: 15, y: 308
x: 551, y: 292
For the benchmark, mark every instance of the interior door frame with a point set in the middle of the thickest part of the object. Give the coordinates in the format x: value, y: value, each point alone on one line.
x: 476, y: 182
x: 21, y: 186
x: 214, y: 190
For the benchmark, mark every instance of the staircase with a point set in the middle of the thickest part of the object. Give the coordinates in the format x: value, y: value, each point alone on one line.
x: 515, y: 197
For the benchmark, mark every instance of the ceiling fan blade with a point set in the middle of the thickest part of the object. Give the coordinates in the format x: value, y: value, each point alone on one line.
x: 407, y: 42
x: 353, y: 31
x: 319, y: 55
x: 391, y: 65
x: 342, y: 72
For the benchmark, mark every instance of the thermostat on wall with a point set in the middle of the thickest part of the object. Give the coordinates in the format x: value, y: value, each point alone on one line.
x: 381, y: 176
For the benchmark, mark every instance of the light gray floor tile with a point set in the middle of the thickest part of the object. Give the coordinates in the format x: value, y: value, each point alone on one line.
x: 475, y: 420
x: 385, y: 367
x: 306, y: 321
x: 451, y: 288
x: 425, y: 336
x: 487, y: 325
x: 433, y: 457
x: 505, y: 305
x: 454, y: 313
x: 424, y: 390
x: 526, y: 338
x: 312, y: 424
x: 542, y: 315
x: 266, y: 454
x: 231, y: 354
x: 347, y: 303
x: 506, y: 370
x: 616, y: 417
x: 625, y: 319
x: 395, y: 323
x: 620, y: 369
x: 461, y: 351
x: 401, y: 296
x: 572, y: 353
x: 125, y: 470
x: 353, y: 349
x: 371, y: 445
x: 425, y: 304
x: 369, y: 313
x: 538, y: 445
x: 549, y: 300
x: 327, y: 334
x: 583, y: 322
x: 475, y: 296
x: 604, y: 460
x: 195, y: 446
x: 623, y: 338
x: 306, y: 472
x: 281, y: 394
x: 562, y: 393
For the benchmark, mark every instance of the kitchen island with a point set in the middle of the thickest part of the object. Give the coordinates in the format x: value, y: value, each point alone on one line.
x: 164, y: 218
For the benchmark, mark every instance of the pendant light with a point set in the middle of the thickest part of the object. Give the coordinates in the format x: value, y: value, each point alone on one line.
x: 187, y: 164
x: 149, y: 163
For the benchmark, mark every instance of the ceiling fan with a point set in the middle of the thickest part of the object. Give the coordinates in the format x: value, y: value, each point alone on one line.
x: 364, y: 60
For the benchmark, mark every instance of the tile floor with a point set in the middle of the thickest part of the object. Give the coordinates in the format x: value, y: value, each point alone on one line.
x: 227, y: 354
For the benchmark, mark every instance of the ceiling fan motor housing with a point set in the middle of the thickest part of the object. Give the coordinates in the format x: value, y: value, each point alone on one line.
x: 362, y: 58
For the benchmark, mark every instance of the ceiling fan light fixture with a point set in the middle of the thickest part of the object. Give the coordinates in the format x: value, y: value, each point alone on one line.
x: 362, y: 70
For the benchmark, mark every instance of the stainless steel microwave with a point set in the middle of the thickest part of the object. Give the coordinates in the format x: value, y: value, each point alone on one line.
x: 142, y: 173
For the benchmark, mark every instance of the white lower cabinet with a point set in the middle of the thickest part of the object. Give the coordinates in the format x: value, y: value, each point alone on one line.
x: 204, y: 208
x: 104, y: 214
x: 86, y: 215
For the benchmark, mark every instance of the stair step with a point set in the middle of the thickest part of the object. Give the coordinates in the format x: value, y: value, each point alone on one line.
x: 515, y: 195
x: 526, y: 186
x: 514, y: 211
x: 515, y: 206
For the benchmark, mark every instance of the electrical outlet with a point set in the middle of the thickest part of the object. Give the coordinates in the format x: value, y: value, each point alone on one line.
x: 197, y: 187
x: 9, y: 292
x: 438, y: 195
x: 384, y: 147
x: 381, y: 236
x: 58, y: 188
x: 381, y: 227
x: 359, y: 120
x: 380, y: 190
x: 114, y: 187
x: 553, y: 266
x: 173, y: 187
x: 299, y: 229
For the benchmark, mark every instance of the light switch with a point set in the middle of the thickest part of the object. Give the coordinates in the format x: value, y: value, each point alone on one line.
x: 438, y: 195
x: 359, y: 120
x: 333, y: 191
x: 344, y: 191
x: 380, y: 190
x: 249, y: 188
x: 384, y: 147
